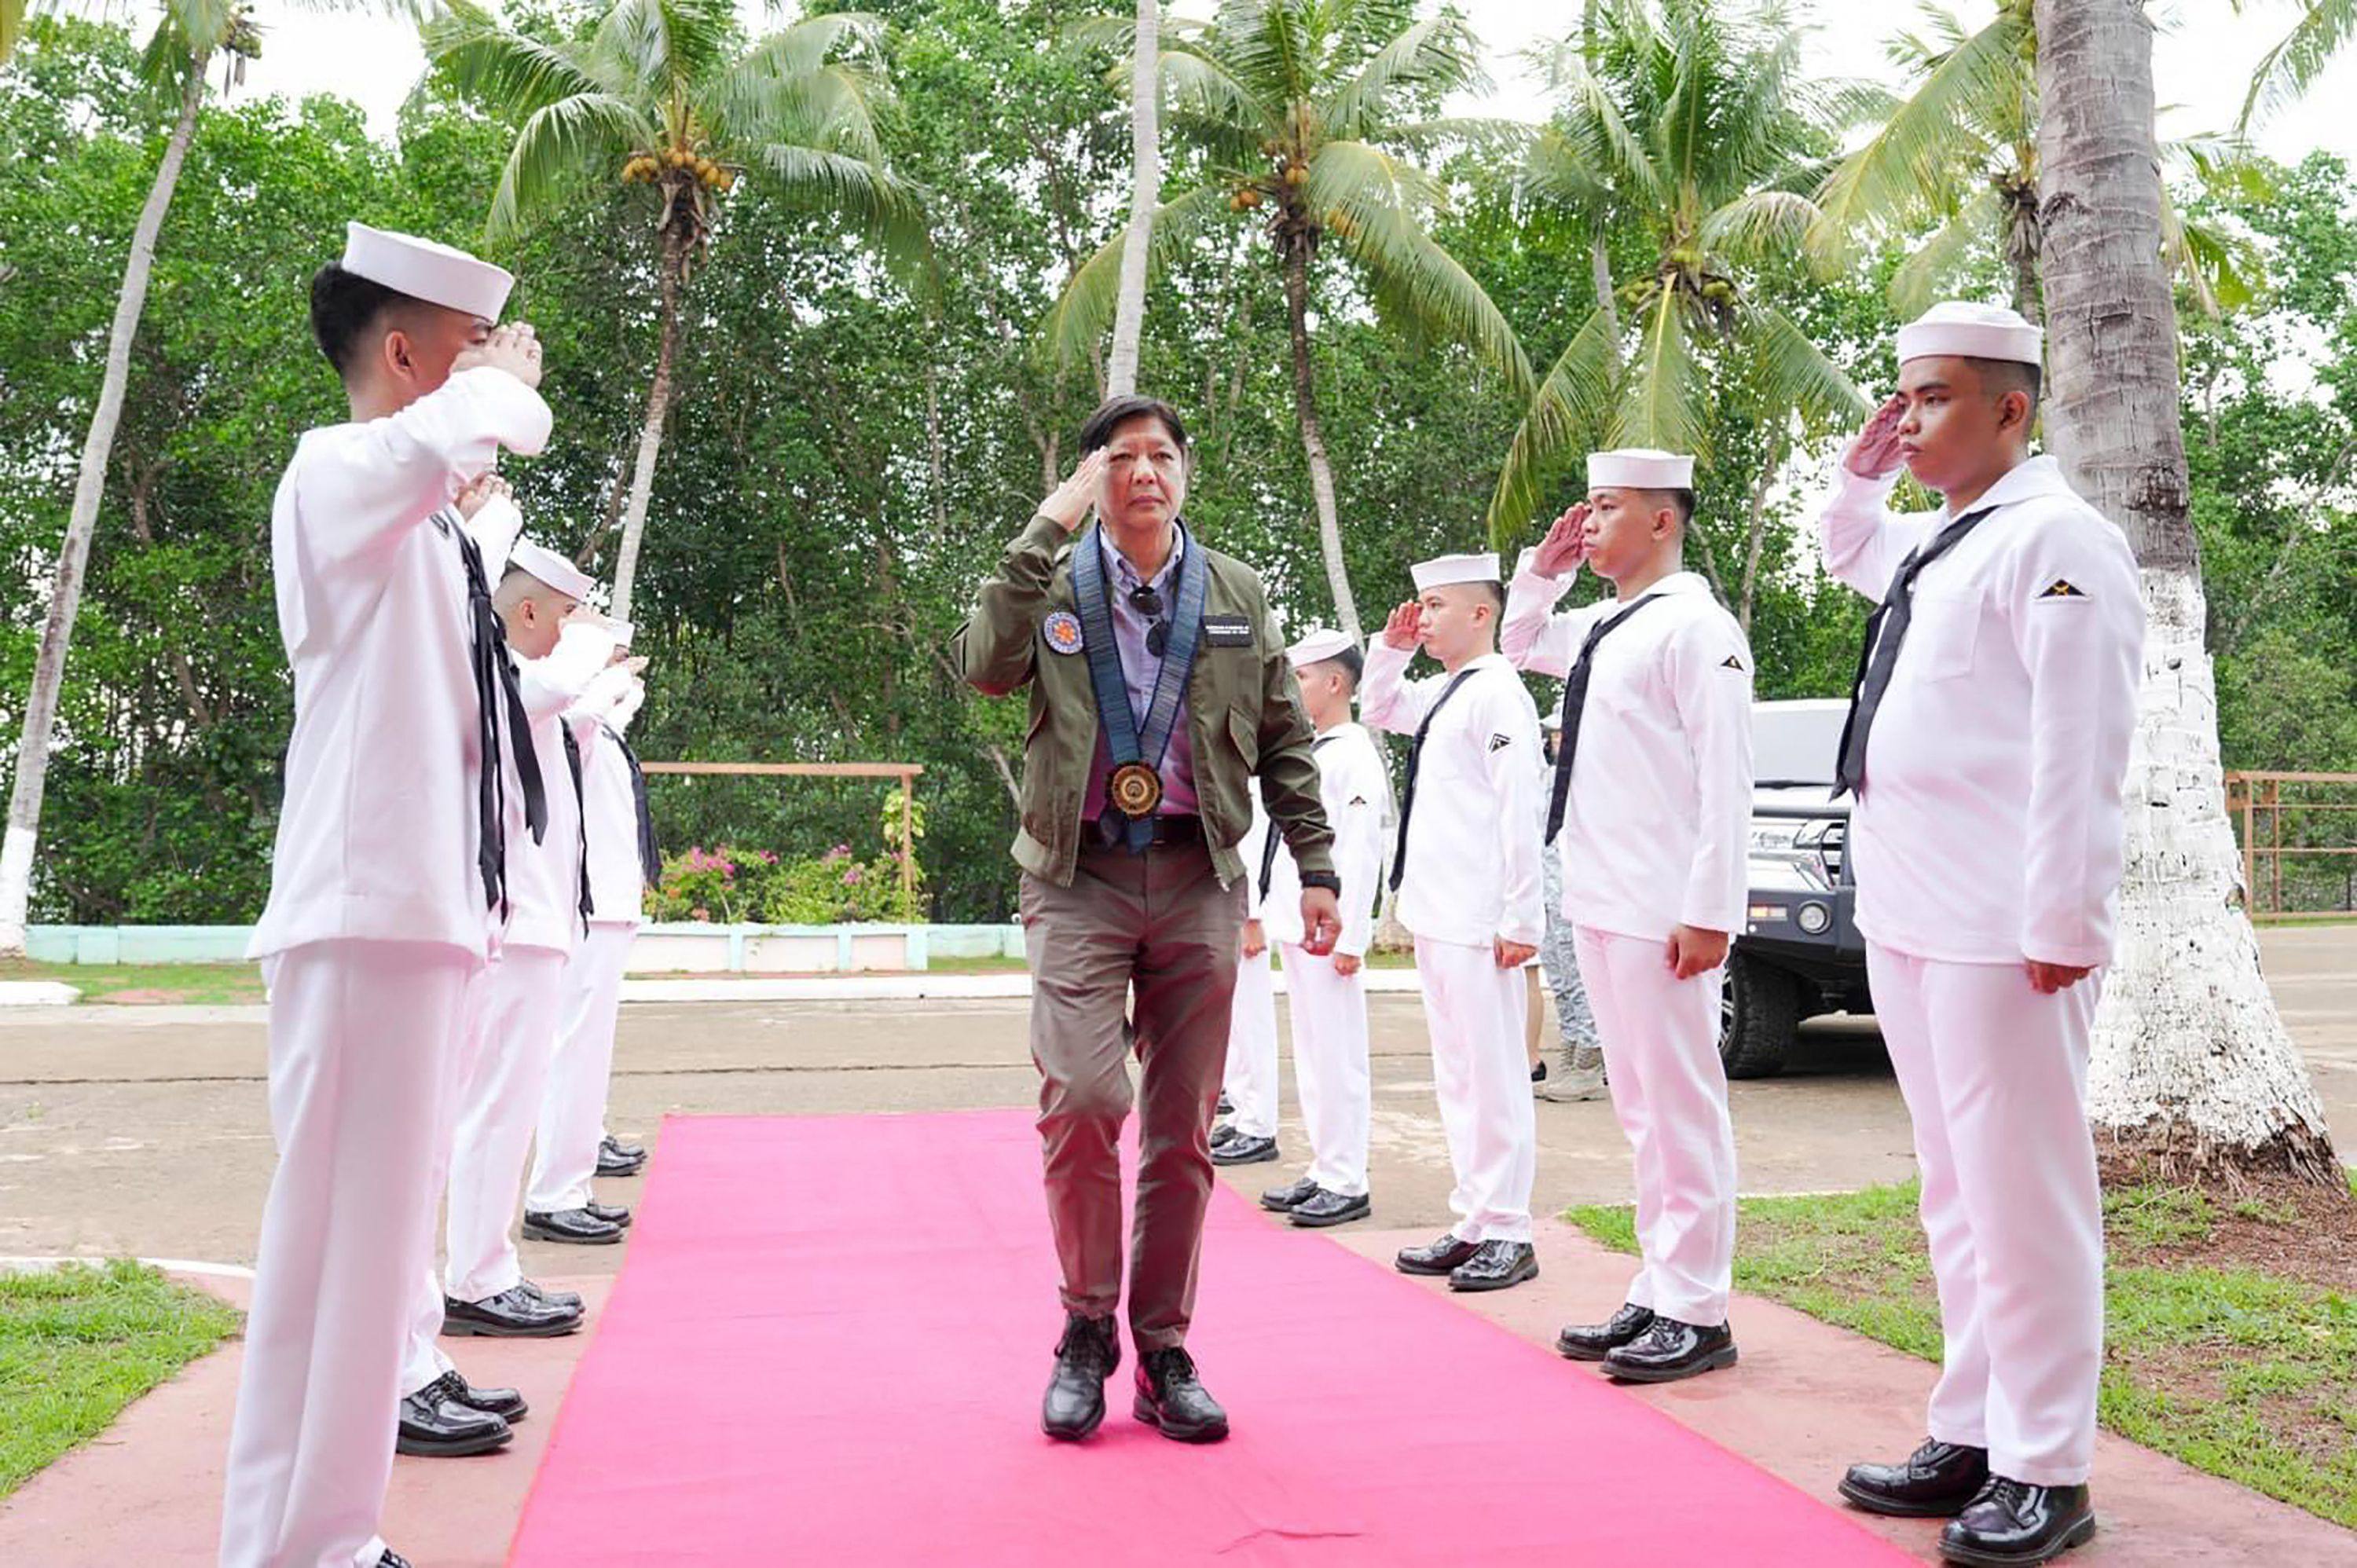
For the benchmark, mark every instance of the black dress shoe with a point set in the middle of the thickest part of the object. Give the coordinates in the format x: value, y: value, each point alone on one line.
x: 1669, y: 1350
x: 506, y: 1403
x: 1085, y: 1357
x: 1437, y: 1256
x: 611, y: 1213
x: 1934, y: 1482
x: 577, y: 1226
x: 1243, y: 1149
x: 1495, y: 1266
x: 1538, y: 1071
x: 513, y: 1314
x: 1594, y: 1341
x: 1226, y: 1107
x: 616, y: 1158
x: 2012, y: 1522
x: 435, y: 1425
x: 392, y: 1559
x: 1284, y: 1199
x: 567, y: 1298
x: 1329, y: 1209
x: 1172, y: 1399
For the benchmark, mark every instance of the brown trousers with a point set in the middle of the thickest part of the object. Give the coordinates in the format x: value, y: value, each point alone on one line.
x: 1160, y: 926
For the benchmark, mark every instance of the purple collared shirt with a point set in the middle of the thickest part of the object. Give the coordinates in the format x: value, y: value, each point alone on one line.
x: 1140, y: 670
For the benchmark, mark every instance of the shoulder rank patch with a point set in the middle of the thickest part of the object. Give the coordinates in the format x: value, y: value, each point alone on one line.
x: 1062, y: 631
x: 1732, y: 662
x: 1358, y: 799
x: 1500, y: 742
x: 2063, y: 588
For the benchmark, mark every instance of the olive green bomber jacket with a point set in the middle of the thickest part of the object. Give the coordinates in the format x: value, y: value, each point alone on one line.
x: 1244, y: 712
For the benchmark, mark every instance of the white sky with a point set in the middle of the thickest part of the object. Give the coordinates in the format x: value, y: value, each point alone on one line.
x: 2203, y: 62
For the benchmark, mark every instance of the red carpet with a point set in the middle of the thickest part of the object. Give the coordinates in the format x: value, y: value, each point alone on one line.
x: 830, y: 1340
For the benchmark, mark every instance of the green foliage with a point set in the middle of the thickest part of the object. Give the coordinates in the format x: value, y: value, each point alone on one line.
x: 727, y: 885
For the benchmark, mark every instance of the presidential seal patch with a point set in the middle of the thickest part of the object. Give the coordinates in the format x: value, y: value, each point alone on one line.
x: 1062, y: 630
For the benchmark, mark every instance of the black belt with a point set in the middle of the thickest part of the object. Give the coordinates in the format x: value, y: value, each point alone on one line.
x: 1168, y: 830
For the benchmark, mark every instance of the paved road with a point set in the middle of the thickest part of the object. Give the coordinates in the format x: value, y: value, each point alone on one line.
x: 145, y: 1130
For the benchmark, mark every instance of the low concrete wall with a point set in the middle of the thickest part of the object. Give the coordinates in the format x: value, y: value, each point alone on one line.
x: 670, y: 948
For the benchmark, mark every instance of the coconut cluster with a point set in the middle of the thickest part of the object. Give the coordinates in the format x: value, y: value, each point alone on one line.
x: 648, y: 167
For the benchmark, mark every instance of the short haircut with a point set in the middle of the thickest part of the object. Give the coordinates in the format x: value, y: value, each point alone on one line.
x: 1497, y: 592
x: 1350, y: 662
x: 1684, y: 501
x: 1115, y: 412
x: 2002, y: 376
x: 344, y: 305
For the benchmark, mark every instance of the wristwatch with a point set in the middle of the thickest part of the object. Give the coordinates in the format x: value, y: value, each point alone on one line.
x: 1326, y: 879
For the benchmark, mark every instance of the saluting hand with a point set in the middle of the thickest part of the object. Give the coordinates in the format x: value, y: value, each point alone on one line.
x: 479, y: 491
x: 1875, y: 454
x: 1068, y: 507
x: 514, y: 349
x: 1321, y: 920
x: 1565, y: 544
x: 1401, y: 630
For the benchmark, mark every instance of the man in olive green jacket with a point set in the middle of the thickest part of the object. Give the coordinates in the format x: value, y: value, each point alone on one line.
x: 1159, y: 687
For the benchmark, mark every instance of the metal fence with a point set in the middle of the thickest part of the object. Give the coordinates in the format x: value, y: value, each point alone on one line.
x: 2299, y: 842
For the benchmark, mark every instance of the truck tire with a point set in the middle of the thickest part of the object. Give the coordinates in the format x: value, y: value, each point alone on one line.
x: 1757, y: 1015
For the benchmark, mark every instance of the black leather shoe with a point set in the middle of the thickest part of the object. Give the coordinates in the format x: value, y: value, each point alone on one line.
x: 1172, y: 1399
x: 1329, y: 1209
x: 1437, y: 1256
x: 611, y: 1213
x: 616, y: 1158
x: 577, y: 1226
x: 1538, y: 1072
x: 513, y: 1314
x: 2012, y: 1522
x: 1495, y: 1266
x: 1594, y: 1341
x: 1934, y: 1482
x: 1243, y: 1149
x: 1085, y: 1357
x: 1669, y: 1350
x: 506, y: 1403
x: 392, y: 1559
x: 436, y: 1424
x: 566, y: 1298
x: 1284, y: 1199
x: 1226, y: 1107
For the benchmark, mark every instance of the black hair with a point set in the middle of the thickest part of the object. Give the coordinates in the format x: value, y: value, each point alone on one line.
x: 1114, y: 411
x: 1683, y: 500
x: 1999, y: 377
x: 1497, y: 592
x: 1351, y: 661
x: 343, y: 307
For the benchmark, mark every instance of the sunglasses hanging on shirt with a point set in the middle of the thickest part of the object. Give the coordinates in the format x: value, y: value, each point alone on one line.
x: 1147, y: 603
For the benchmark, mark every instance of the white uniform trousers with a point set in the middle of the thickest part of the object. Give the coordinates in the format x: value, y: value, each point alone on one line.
x: 1475, y: 1013
x: 363, y: 1036
x: 1660, y: 1035
x: 496, y: 1114
x: 1250, y: 1080
x: 1995, y: 1080
x: 1329, y: 1067
x: 423, y: 1361
x: 572, y: 1108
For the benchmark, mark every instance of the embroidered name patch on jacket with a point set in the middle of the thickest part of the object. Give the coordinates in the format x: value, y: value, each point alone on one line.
x: 1227, y: 631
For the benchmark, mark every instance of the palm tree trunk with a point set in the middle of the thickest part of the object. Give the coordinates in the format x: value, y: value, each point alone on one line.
x: 1313, y: 442
x: 1145, y: 194
x: 642, y: 475
x: 2193, y: 1073
x: 74, y: 555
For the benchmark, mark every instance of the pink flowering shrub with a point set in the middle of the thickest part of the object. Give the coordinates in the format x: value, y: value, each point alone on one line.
x: 729, y: 884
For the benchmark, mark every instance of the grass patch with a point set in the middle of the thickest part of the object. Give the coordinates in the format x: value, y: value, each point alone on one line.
x: 80, y: 1343
x: 995, y: 965
x: 199, y: 984
x: 2245, y: 1371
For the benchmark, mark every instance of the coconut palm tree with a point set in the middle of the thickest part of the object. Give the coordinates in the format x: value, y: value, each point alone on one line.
x: 190, y: 36
x: 1310, y: 113
x: 1957, y: 160
x: 669, y: 99
x: 1146, y: 193
x: 2192, y: 1070
x: 2286, y: 71
x: 1697, y: 128
x: 12, y: 25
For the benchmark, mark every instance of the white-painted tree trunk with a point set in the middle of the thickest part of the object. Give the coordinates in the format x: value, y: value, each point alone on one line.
x: 17, y: 846
x: 1146, y: 195
x: 2193, y: 1069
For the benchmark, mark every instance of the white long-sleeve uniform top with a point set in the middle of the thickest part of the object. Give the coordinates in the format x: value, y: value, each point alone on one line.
x: 1473, y: 836
x: 617, y: 885
x: 1656, y: 827
x: 1351, y: 783
x: 378, y: 836
x: 1990, y: 825
x: 545, y: 878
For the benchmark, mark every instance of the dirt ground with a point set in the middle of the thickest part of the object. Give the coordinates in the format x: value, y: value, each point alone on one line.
x: 144, y: 1131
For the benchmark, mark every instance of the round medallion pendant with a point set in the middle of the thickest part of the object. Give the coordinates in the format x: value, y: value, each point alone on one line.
x: 1134, y: 789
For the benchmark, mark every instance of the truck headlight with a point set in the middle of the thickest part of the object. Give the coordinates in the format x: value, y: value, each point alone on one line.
x: 1814, y: 918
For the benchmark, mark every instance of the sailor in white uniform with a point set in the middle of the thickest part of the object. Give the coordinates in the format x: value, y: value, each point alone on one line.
x: 1328, y: 993
x: 1988, y: 747
x: 558, y: 1197
x: 1467, y: 871
x: 1651, y: 809
x: 1248, y: 1136
x: 386, y: 872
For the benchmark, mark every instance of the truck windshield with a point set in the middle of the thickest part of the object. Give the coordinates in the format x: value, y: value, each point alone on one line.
x: 1792, y: 744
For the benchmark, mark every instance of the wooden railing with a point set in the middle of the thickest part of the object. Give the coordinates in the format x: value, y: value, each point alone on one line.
x: 905, y: 772
x: 2308, y: 818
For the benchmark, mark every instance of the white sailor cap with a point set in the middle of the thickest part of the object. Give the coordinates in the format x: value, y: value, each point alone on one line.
x: 424, y: 270
x: 539, y: 561
x: 1317, y: 647
x: 1971, y: 331
x: 621, y: 630
x: 1443, y: 570
x: 1640, y: 469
